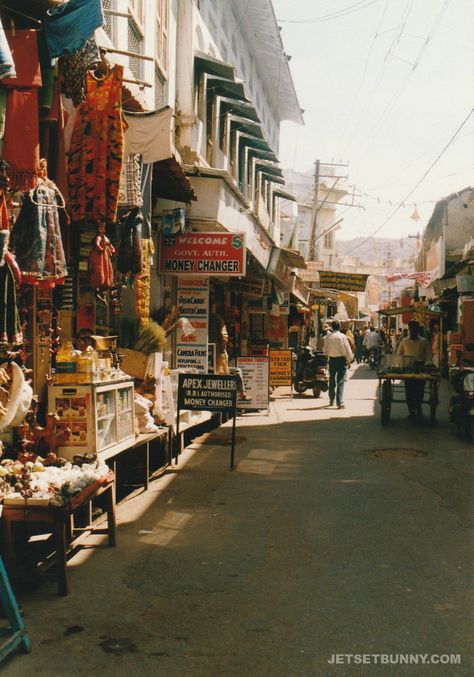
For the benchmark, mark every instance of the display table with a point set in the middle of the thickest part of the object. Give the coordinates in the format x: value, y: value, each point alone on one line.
x: 60, y: 519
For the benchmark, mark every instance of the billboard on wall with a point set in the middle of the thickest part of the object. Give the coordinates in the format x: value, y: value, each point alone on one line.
x: 193, y: 304
x: 203, y: 254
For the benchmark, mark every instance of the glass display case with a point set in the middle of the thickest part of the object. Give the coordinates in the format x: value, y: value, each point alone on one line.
x: 99, y: 416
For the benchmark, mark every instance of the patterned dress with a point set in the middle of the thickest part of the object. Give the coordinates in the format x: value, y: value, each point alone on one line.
x: 95, y: 157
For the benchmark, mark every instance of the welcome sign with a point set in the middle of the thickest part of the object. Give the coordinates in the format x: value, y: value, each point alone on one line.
x: 203, y: 254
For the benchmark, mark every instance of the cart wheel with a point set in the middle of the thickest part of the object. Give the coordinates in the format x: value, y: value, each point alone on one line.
x: 385, y: 403
x: 433, y: 402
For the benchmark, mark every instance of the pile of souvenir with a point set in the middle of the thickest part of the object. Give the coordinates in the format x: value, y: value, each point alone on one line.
x: 47, y: 481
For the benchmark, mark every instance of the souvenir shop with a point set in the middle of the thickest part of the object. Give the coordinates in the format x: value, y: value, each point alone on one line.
x: 86, y: 394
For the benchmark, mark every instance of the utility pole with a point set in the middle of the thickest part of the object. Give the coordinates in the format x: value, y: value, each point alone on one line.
x: 313, y: 247
x: 314, y: 213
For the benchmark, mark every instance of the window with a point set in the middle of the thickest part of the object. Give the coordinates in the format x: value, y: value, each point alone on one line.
x: 328, y: 241
x: 161, y: 90
x: 135, y: 44
x: 162, y: 21
x: 137, y: 8
x: 109, y: 25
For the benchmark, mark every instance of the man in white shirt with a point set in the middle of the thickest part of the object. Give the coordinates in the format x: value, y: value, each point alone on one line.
x: 338, y: 350
x: 417, y: 347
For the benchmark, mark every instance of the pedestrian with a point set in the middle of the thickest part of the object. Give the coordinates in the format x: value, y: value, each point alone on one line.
x: 359, y: 342
x: 419, y: 348
x: 337, y: 349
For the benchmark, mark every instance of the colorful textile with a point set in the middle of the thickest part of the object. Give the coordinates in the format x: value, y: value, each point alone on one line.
x: 69, y: 26
x: 24, y: 49
x: 146, y: 209
x: 21, y: 139
x: 100, y: 272
x: 48, y: 72
x: 130, y: 192
x: 3, y: 114
x: 7, y: 65
x: 74, y: 69
x: 22, y: 111
x: 95, y: 158
x: 36, y: 235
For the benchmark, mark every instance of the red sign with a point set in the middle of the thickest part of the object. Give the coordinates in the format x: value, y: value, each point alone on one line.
x: 206, y: 254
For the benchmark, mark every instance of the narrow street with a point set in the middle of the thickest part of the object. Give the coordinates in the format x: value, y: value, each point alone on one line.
x: 314, y: 545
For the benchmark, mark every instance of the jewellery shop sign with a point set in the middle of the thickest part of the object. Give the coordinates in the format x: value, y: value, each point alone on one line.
x: 203, y: 254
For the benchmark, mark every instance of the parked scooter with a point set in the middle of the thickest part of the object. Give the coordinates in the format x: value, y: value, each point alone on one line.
x: 310, y: 371
x: 461, y: 406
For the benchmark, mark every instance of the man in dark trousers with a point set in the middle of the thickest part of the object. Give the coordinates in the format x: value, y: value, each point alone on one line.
x: 338, y: 350
x: 417, y: 347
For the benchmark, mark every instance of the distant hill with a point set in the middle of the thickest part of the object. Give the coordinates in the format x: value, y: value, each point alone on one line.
x: 378, y: 248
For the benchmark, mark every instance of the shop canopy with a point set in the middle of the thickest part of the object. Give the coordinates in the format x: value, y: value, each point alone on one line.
x: 410, y: 310
x: 171, y: 183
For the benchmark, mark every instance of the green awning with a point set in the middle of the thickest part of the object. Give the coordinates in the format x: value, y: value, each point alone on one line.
x: 242, y: 108
x: 225, y: 87
x: 204, y: 63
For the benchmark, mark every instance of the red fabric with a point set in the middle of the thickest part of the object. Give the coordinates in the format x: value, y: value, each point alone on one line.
x: 21, y: 140
x: 4, y: 216
x: 24, y: 49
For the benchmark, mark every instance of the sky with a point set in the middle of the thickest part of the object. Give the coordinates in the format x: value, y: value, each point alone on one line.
x: 384, y: 87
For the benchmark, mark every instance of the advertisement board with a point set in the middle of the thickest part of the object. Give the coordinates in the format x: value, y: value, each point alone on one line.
x: 255, y: 373
x: 280, y: 367
x: 193, y: 304
x: 203, y: 254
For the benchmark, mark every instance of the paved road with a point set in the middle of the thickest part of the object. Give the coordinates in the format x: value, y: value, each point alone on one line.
x: 313, y: 546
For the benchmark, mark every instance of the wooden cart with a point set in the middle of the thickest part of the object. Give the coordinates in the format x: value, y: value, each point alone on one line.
x: 392, y: 390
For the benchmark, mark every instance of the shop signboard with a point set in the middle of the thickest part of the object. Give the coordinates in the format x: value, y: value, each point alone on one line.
x: 331, y: 279
x: 208, y: 392
x: 255, y: 373
x: 203, y: 254
x: 193, y: 304
x: 251, y: 288
x: 280, y: 367
x: 300, y: 291
x: 279, y: 269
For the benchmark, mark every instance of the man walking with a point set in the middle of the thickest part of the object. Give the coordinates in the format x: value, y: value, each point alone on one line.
x: 338, y: 350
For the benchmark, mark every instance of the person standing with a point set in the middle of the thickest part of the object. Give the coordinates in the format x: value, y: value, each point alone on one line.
x: 339, y: 353
x: 417, y: 347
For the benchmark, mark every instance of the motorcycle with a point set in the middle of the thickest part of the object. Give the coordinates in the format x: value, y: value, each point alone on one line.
x: 461, y: 405
x: 310, y: 371
x: 373, y: 358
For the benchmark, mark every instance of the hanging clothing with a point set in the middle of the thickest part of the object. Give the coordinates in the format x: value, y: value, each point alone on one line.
x: 143, y: 282
x: 36, y: 235
x: 52, y: 142
x: 10, y: 326
x: 100, y: 272
x: 21, y: 120
x: 69, y: 26
x: 130, y: 179
x: 149, y: 135
x: 95, y: 158
x: 146, y: 189
x: 129, y: 258
x: 7, y: 65
x: 48, y: 72
x: 74, y: 68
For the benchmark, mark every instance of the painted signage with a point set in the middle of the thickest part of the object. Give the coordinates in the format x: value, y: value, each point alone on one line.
x: 191, y: 343
x: 330, y: 279
x: 280, y: 367
x: 255, y: 375
x: 207, y: 392
x: 203, y: 254
x: 251, y: 288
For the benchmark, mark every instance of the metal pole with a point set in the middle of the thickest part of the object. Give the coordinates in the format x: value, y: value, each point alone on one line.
x: 314, y: 213
x: 232, y: 451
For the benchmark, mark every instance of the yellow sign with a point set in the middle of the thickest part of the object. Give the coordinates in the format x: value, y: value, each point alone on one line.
x: 280, y: 367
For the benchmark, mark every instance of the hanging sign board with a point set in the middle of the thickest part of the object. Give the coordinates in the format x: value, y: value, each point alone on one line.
x: 255, y: 373
x: 280, y: 367
x: 203, y: 254
x: 330, y: 279
x: 193, y: 304
x: 251, y: 288
x: 208, y: 392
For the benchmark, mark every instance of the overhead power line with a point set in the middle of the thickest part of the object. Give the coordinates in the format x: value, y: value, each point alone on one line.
x: 419, y: 182
x: 345, y: 11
